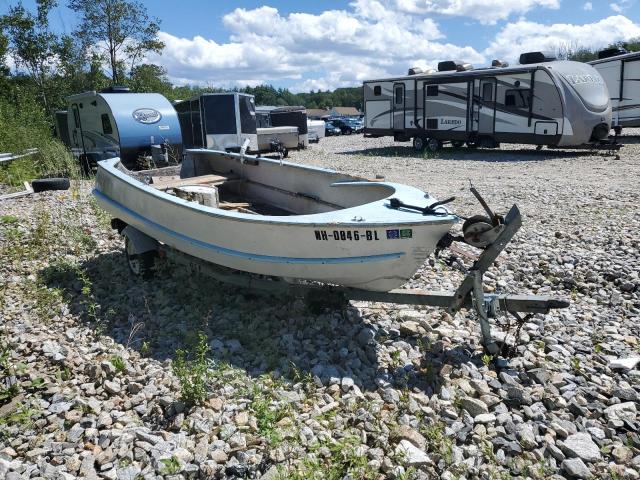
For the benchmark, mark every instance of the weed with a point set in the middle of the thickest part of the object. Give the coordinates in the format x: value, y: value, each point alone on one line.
x: 575, y: 364
x: 8, y: 219
x: 487, y: 359
x: 10, y: 387
x: 145, y: 348
x: 344, y: 461
x: 118, y: 363
x: 438, y: 442
x: 63, y: 375
x: 170, y: 466
x: 267, y: 416
x: 193, y: 373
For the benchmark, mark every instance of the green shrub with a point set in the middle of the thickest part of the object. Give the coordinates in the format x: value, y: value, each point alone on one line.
x: 27, y: 126
x: 192, y: 369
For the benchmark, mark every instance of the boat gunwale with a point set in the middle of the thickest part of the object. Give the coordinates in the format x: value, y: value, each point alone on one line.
x: 109, y: 166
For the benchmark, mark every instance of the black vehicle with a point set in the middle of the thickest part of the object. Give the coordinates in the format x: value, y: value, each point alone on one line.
x: 331, y: 129
x: 346, y: 126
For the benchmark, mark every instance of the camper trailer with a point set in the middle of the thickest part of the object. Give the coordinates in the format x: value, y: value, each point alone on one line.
x: 542, y: 101
x: 117, y: 123
x: 621, y: 72
x: 218, y: 121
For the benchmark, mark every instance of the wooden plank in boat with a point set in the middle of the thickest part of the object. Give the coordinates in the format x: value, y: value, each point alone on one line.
x: 178, y: 182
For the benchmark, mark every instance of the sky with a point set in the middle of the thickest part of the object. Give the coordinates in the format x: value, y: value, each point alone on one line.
x: 328, y: 44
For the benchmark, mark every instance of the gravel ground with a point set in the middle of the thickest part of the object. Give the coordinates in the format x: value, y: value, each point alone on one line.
x: 358, y: 391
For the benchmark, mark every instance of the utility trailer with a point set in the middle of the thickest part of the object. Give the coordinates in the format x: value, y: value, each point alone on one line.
x: 542, y: 101
x: 143, y: 251
x: 287, y: 116
x: 621, y: 73
x: 218, y: 121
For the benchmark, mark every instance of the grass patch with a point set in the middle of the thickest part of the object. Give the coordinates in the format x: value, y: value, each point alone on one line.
x: 344, y: 461
x: 192, y: 370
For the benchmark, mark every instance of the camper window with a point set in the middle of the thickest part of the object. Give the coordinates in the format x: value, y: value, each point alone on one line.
x: 377, y: 90
x: 432, y: 90
x: 398, y: 91
x: 106, y: 124
x: 517, y: 98
x: 487, y: 92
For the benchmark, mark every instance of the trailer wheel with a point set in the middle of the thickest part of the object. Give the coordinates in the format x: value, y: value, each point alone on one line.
x: 433, y: 145
x: 457, y: 143
x: 140, y: 264
x: 418, y: 144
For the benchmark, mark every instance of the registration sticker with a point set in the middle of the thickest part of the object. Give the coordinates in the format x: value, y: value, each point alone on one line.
x: 403, y: 233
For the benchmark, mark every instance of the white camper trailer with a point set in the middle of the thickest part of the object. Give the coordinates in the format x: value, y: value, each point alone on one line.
x: 541, y: 101
x: 117, y: 123
x: 621, y: 72
x: 218, y: 121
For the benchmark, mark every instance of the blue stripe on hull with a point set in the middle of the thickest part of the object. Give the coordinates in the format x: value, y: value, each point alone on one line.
x: 244, y: 255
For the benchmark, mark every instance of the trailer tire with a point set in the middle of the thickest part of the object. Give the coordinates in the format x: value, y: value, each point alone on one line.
x: 140, y: 264
x: 457, y: 143
x: 45, y: 184
x: 418, y: 144
x: 433, y: 145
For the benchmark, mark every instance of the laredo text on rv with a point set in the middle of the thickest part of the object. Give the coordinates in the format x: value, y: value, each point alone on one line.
x: 541, y: 102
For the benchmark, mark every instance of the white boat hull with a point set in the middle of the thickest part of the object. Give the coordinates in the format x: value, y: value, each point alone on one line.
x: 372, y: 254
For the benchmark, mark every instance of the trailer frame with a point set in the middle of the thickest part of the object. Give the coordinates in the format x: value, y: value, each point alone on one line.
x: 469, y: 294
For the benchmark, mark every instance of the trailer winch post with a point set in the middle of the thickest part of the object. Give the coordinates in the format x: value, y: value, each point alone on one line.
x: 472, y: 283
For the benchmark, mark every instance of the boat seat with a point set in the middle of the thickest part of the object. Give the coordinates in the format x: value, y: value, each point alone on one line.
x: 169, y: 182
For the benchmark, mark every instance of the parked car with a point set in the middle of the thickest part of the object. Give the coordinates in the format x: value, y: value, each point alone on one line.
x: 331, y: 129
x: 347, y: 126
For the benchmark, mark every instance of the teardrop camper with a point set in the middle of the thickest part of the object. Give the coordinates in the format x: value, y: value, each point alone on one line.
x: 117, y: 123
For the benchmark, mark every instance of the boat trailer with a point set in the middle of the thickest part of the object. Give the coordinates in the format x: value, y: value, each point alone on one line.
x: 469, y: 294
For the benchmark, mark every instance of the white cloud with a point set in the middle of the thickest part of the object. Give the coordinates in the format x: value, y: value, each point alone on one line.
x: 484, y: 11
x: 328, y: 50
x: 588, y: 6
x: 523, y: 36
x: 621, y: 5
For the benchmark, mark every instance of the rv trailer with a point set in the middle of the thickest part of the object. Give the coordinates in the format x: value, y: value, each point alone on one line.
x: 218, y: 121
x: 621, y: 72
x: 117, y: 123
x: 542, y: 101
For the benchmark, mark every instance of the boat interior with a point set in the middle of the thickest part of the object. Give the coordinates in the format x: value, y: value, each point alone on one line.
x: 261, y: 186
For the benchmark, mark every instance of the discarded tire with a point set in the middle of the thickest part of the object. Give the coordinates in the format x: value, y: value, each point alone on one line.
x: 44, y: 184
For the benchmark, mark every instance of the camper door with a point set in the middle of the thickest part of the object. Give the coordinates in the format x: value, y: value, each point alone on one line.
x: 77, y: 141
x: 483, y: 108
x: 398, y: 106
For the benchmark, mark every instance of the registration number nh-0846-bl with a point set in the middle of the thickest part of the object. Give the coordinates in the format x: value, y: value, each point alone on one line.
x: 362, y: 235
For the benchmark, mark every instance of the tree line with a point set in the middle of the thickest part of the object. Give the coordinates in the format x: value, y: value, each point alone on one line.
x: 108, y: 47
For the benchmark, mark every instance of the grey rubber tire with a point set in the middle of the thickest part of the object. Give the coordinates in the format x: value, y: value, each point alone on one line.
x: 433, y: 145
x: 140, y: 264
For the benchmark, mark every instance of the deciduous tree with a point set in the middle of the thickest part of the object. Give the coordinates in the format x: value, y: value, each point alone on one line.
x: 121, y: 30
